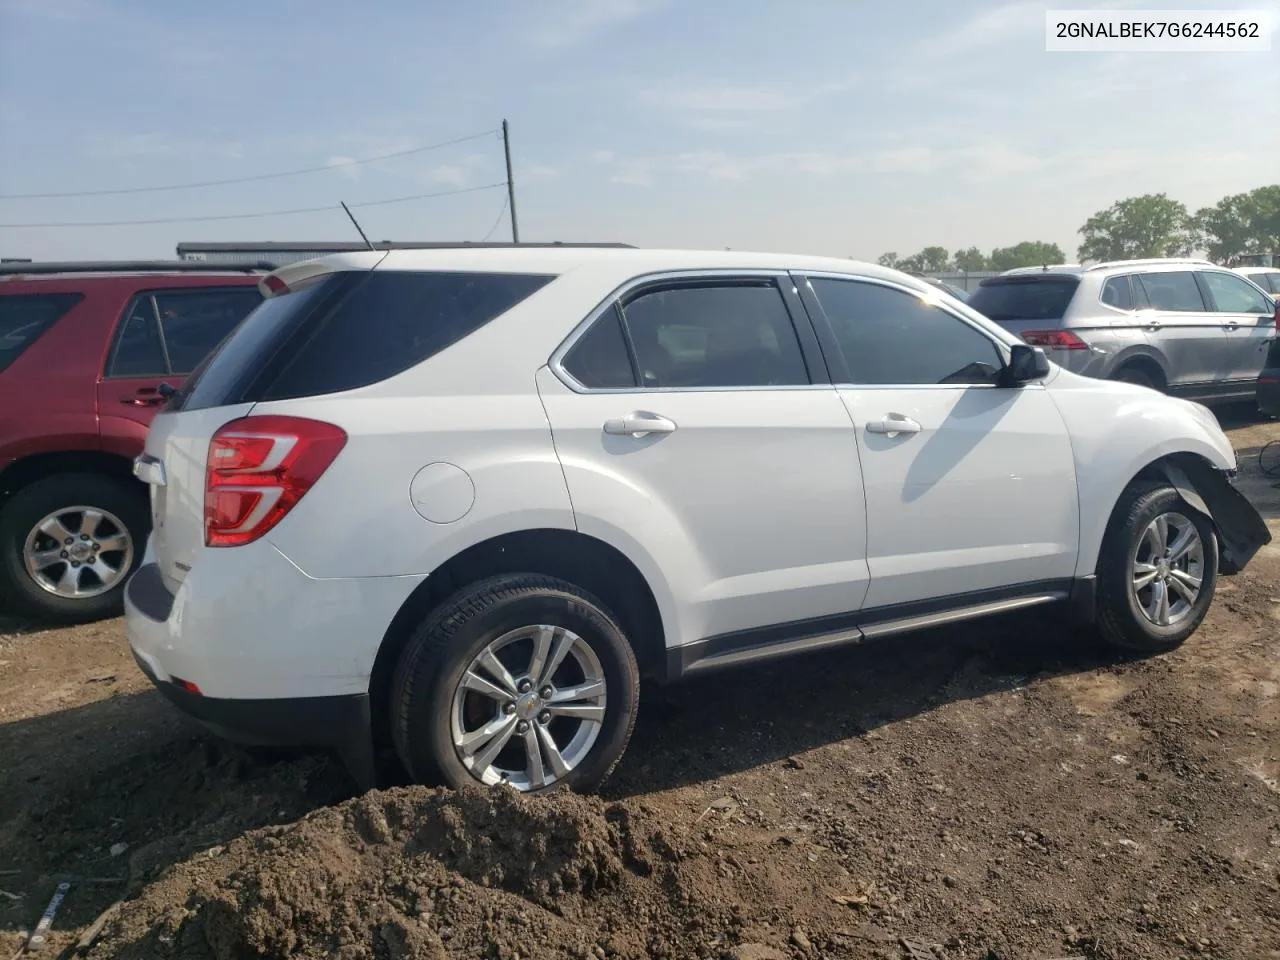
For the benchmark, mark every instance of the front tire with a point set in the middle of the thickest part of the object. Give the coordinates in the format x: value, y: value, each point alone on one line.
x: 68, y: 544
x: 1157, y: 570
x: 518, y: 679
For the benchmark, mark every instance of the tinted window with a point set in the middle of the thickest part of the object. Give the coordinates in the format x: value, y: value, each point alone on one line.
x: 138, y: 351
x: 1270, y: 281
x: 715, y: 335
x: 887, y: 336
x: 1040, y: 297
x: 24, y: 317
x: 227, y: 372
x: 193, y: 322
x: 1232, y: 294
x: 1115, y: 293
x: 600, y: 359
x: 1171, y: 291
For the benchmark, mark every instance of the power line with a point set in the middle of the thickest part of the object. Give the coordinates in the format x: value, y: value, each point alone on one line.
x: 250, y: 216
x: 497, y: 220
x: 261, y: 176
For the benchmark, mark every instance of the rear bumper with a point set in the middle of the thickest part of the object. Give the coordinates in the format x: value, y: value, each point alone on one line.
x: 261, y: 654
x: 340, y: 723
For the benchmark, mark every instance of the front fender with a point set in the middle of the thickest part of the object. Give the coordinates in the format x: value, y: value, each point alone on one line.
x: 1241, y: 530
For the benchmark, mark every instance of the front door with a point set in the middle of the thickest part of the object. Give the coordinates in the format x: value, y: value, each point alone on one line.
x: 162, y: 336
x: 1248, y: 317
x: 970, y: 486
x: 693, y: 432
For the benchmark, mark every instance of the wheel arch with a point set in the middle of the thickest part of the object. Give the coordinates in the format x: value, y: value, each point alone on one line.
x: 586, y: 561
x: 26, y: 470
x: 1147, y: 361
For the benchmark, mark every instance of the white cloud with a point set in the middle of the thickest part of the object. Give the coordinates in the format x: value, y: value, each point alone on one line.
x: 570, y: 22
x: 602, y: 156
x: 718, y: 97
x: 993, y: 27
x: 537, y: 171
x: 715, y: 165
x: 449, y: 173
x: 343, y: 167
x: 632, y: 173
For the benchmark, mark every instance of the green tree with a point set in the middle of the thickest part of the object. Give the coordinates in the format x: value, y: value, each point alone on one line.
x: 1148, y: 226
x: 1241, y: 223
x: 970, y: 259
x: 1028, y: 253
x: 935, y: 259
x: 889, y: 259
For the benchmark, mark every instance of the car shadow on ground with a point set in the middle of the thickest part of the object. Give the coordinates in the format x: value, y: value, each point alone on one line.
x: 734, y: 721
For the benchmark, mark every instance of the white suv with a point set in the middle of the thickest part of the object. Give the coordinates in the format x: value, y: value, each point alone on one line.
x: 457, y: 502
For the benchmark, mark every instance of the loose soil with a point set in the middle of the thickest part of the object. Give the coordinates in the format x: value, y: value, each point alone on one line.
x: 1009, y: 790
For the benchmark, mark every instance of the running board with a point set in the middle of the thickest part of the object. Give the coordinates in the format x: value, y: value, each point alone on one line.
x: 697, y: 658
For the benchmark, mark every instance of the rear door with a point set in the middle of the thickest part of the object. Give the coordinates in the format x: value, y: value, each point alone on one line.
x: 719, y: 449
x: 163, y: 335
x: 1248, y: 318
x: 970, y: 486
x: 1182, y: 327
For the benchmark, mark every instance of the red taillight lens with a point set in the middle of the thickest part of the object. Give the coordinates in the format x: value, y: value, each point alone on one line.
x: 1054, y: 340
x: 259, y: 468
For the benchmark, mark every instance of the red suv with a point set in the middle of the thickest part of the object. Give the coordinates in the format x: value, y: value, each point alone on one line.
x: 88, y: 354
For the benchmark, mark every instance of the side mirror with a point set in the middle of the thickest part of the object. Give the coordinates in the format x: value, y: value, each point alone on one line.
x: 1026, y: 363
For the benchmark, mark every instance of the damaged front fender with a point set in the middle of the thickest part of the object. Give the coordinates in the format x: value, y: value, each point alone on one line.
x: 1241, y: 530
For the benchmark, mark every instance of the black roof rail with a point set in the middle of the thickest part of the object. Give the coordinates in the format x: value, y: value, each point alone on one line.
x: 344, y: 246
x: 131, y: 266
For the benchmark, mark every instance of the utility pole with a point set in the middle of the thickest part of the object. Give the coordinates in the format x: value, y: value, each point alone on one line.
x: 511, y: 184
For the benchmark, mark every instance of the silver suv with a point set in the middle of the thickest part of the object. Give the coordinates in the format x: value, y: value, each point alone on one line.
x: 1187, y: 327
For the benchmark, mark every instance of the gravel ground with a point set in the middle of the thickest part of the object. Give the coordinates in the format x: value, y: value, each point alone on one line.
x: 1008, y: 790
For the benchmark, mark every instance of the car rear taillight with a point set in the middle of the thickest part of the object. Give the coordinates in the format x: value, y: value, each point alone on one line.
x: 259, y: 468
x: 273, y: 286
x: 1054, y: 340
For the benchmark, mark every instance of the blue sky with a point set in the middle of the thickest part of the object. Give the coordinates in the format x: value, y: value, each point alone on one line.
x: 841, y: 127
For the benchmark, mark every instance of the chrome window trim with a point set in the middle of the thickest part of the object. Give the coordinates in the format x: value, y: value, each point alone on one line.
x: 556, y: 361
x: 1002, y: 348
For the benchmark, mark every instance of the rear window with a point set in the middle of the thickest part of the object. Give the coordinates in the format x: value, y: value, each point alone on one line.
x: 350, y: 330
x: 24, y: 317
x: 1024, y: 298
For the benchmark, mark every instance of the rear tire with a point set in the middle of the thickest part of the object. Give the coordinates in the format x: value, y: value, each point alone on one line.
x: 31, y: 569
x: 519, y: 679
x: 1157, y: 570
x: 1137, y: 376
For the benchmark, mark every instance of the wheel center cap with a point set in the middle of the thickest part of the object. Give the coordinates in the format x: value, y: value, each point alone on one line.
x: 1162, y: 569
x: 528, y: 705
x: 80, y: 551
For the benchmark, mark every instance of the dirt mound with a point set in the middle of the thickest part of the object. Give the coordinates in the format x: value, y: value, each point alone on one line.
x: 402, y: 873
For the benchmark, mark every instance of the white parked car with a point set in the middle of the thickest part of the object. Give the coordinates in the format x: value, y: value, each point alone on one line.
x: 457, y: 502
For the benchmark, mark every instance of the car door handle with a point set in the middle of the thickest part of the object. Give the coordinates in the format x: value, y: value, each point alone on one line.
x: 639, y: 424
x: 1231, y: 325
x: 893, y: 424
x: 145, y: 401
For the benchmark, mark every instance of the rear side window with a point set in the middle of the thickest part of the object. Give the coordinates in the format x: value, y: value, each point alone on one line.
x: 600, y: 360
x: 24, y: 317
x: 1269, y: 281
x: 715, y: 335
x: 349, y: 330
x: 1039, y: 297
x: 1115, y: 293
x: 1176, y: 291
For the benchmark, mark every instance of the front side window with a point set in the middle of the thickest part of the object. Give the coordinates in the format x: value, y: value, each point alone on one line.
x: 888, y: 336
x: 193, y: 322
x: 714, y: 334
x: 1232, y: 294
x: 1176, y: 291
x: 169, y: 332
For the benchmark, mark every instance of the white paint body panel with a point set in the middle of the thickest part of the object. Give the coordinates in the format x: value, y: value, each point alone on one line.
x: 762, y: 507
x: 984, y: 496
